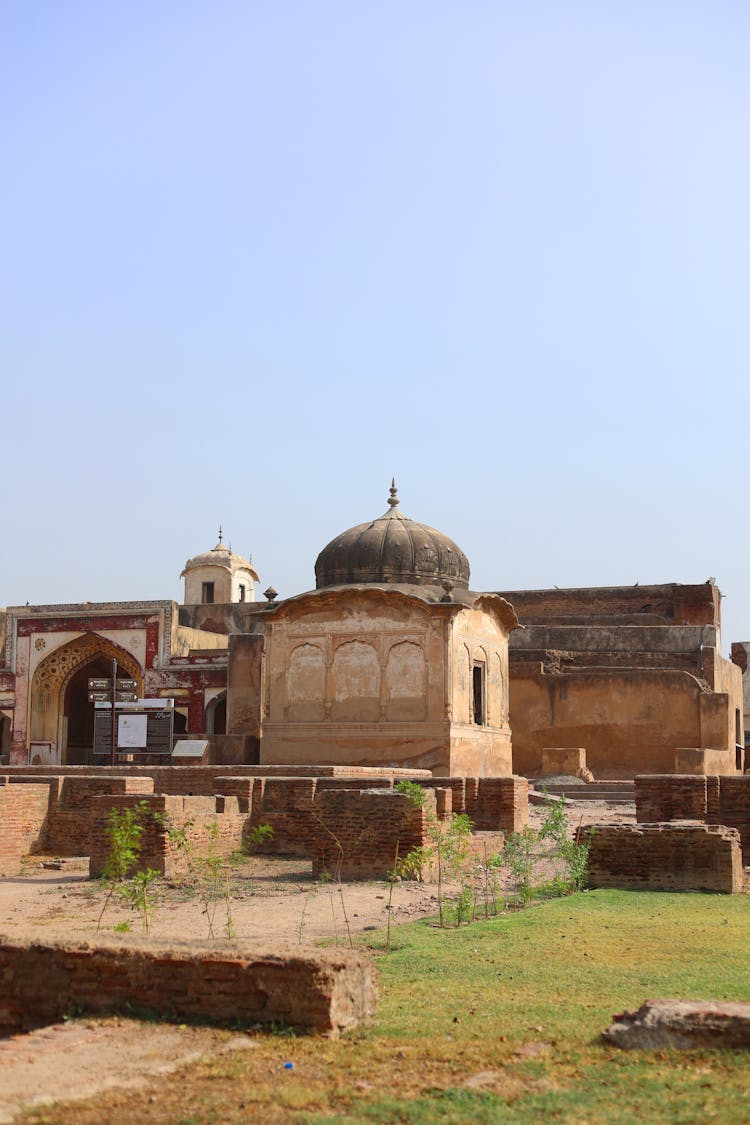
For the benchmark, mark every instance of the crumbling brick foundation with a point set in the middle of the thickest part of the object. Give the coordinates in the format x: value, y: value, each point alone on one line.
x: 23, y: 818
x: 711, y: 800
x: 672, y: 856
x: 193, y: 816
x: 322, y: 991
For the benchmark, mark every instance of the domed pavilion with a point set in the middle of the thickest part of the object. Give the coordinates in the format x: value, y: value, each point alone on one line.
x: 391, y: 660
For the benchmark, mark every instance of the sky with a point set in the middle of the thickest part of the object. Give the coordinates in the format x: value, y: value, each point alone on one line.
x: 256, y: 258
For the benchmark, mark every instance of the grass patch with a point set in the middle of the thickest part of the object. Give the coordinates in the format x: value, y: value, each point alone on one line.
x: 499, y: 1022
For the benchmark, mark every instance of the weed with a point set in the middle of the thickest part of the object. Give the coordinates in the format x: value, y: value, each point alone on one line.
x: 336, y: 881
x: 448, y: 848
x: 525, y: 851
x: 212, y: 870
x: 125, y: 827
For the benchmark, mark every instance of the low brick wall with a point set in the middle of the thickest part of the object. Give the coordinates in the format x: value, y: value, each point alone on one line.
x: 664, y: 857
x: 712, y: 800
x: 360, y: 833
x: 502, y: 804
x: 192, y: 815
x: 23, y: 819
x: 493, y: 804
x: 70, y: 814
x: 322, y: 991
x: 284, y: 800
x: 201, y: 780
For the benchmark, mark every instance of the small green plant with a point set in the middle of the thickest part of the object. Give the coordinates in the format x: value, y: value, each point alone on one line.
x: 139, y: 893
x: 124, y: 829
x: 211, y: 869
x: 122, y: 928
x: 336, y: 882
x: 551, y: 842
x: 448, y: 849
x: 255, y: 837
x: 410, y: 789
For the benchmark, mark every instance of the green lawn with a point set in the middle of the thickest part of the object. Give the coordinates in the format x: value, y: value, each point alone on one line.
x: 514, y: 1008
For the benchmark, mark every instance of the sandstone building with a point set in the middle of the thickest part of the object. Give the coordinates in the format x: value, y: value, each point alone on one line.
x: 632, y: 673
x: 390, y: 661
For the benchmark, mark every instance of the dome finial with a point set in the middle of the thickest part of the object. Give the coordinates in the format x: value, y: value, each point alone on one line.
x: 221, y: 533
x: 393, y: 499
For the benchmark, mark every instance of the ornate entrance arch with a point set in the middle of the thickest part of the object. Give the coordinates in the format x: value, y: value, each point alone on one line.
x: 54, y: 674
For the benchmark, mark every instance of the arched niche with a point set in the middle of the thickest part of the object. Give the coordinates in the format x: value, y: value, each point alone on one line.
x: 306, y: 684
x: 59, y: 692
x: 216, y: 715
x: 355, y: 683
x: 406, y: 683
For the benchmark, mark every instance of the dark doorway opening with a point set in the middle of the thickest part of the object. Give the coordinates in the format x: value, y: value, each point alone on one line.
x: 79, y: 713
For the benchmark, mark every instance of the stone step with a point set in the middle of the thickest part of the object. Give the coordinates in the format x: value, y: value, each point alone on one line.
x: 622, y: 792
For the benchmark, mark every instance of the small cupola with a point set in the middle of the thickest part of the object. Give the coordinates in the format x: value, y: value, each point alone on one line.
x: 220, y: 576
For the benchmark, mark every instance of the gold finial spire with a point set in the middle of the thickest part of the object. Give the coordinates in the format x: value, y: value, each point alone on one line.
x: 393, y: 499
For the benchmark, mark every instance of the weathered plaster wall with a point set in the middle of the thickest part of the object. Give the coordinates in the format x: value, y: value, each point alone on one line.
x: 372, y: 677
x: 356, y: 678
x: 628, y: 722
x: 668, y: 604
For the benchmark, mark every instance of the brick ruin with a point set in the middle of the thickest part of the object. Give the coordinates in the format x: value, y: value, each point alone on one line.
x: 65, y: 811
x: 692, y: 833
x: 666, y: 857
x: 323, y: 991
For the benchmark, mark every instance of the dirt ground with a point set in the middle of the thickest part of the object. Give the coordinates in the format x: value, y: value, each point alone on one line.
x: 274, y: 902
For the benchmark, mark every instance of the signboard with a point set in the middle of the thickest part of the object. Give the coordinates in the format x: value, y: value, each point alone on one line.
x: 138, y: 705
x: 142, y: 728
x: 106, y: 685
x: 106, y: 696
x: 132, y: 731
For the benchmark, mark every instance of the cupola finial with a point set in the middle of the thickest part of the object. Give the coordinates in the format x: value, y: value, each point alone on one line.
x: 393, y: 499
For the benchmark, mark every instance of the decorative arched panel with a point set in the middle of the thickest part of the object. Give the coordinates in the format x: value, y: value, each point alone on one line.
x: 500, y: 690
x: 356, y: 683
x: 406, y: 683
x: 55, y: 672
x: 462, y: 685
x: 306, y: 684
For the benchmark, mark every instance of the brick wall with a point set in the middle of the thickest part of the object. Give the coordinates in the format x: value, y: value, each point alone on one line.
x: 322, y: 991
x: 665, y: 857
x: 713, y: 800
x: 70, y: 813
x: 23, y: 817
x: 357, y: 832
x: 502, y: 803
x: 491, y: 803
x: 661, y: 797
x: 162, y: 812
x: 732, y: 807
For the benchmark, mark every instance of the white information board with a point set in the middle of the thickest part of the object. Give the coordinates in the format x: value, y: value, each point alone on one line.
x: 132, y: 731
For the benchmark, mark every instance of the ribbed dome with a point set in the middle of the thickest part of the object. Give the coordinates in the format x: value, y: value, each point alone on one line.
x: 392, y: 548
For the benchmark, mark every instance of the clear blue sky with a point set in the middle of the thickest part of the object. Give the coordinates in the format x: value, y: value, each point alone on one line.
x: 256, y: 257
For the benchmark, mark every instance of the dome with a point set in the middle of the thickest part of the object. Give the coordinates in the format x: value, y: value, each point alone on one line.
x: 392, y: 548
x: 222, y: 556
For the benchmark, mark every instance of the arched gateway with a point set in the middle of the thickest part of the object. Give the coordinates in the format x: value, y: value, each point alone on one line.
x: 60, y: 710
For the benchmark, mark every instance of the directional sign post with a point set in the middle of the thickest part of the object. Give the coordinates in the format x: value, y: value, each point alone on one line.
x: 112, y: 691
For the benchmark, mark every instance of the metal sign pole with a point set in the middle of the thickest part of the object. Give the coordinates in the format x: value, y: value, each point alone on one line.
x: 114, y: 717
